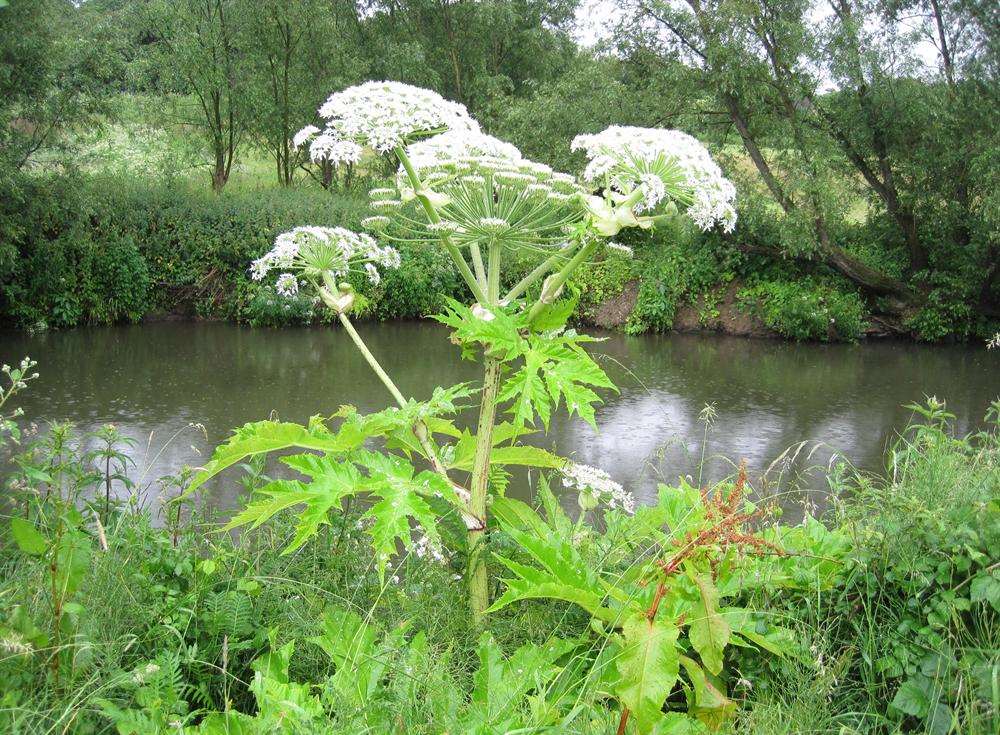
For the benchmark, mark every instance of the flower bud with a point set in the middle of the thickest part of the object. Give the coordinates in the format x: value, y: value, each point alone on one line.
x: 482, y: 313
x: 551, y: 292
x: 342, y: 301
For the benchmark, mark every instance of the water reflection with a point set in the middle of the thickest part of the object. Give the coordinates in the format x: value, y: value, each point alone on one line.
x: 156, y: 379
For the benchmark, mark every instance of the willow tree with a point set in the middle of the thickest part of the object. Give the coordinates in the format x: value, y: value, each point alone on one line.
x: 198, y: 52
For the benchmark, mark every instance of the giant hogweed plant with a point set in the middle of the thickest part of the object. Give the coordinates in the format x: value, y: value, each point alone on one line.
x: 481, y: 202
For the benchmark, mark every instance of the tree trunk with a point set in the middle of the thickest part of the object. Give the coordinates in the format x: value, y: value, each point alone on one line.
x: 836, y: 257
x: 220, y: 175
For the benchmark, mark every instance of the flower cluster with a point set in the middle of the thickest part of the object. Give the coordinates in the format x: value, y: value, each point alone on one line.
x: 380, y: 116
x: 483, y: 190
x: 311, y: 253
x: 596, y: 486
x: 644, y: 167
x: 429, y: 549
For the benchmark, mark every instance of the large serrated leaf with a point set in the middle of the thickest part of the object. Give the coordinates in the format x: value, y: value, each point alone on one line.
x: 262, y: 437
x: 648, y: 666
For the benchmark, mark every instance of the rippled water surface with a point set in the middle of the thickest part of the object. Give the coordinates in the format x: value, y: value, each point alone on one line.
x: 156, y: 379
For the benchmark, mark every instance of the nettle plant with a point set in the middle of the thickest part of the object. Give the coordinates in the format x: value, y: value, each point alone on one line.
x: 483, y: 203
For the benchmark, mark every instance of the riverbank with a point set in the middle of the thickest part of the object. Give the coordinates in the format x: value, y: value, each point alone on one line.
x: 104, y: 250
x: 182, y: 629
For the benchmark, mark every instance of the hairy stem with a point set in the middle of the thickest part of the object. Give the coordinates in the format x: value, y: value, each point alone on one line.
x: 479, y: 594
x: 479, y: 597
x: 477, y: 263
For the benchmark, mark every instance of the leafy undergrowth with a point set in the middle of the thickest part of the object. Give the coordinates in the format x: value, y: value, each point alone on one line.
x: 880, y: 618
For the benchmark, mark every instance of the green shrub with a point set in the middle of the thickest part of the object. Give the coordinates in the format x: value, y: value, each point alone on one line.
x: 806, y: 309
x: 103, y: 250
x: 421, y: 285
x: 597, y: 281
x: 61, y: 274
x: 678, y: 265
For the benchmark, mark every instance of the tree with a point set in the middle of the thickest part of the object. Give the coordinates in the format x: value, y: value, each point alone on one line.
x: 298, y: 52
x: 473, y: 52
x: 198, y: 52
x: 47, y: 78
x: 760, y: 95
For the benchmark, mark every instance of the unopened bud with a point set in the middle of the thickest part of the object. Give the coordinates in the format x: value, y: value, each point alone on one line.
x: 342, y: 301
x: 550, y: 291
x: 482, y: 313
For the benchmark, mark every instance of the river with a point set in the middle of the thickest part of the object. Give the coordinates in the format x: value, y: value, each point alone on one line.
x: 846, y: 401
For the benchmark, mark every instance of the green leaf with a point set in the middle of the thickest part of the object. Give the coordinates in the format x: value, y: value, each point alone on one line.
x: 269, y: 436
x: 555, y: 316
x: 27, y: 538
x: 986, y: 587
x: 499, y: 335
x: 527, y: 390
x: 523, y: 455
x: 563, y: 575
x: 526, y: 456
x: 708, y: 631
x: 648, y: 666
x: 513, y: 513
x: 346, y: 637
x: 555, y: 516
x: 500, y: 685
x: 393, y: 480
x: 556, y: 368
x: 37, y: 475
x: 332, y: 481
x: 774, y: 639
x: 709, y: 702
x: 361, y: 661
x: 72, y: 561
x: 913, y: 697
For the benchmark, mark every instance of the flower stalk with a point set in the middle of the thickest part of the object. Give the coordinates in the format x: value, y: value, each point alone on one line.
x: 434, y: 217
x: 472, y: 518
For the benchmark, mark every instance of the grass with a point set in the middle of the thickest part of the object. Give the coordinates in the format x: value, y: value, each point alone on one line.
x: 918, y: 617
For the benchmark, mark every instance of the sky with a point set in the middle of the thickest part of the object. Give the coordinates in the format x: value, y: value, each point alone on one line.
x: 596, y: 19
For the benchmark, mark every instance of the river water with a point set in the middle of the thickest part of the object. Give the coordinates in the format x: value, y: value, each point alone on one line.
x: 842, y: 401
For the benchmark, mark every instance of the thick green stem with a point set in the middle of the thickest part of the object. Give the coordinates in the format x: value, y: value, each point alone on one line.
x: 477, y: 263
x: 479, y: 595
x: 546, y: 265
x: 493, y: 274
x: 553, y: 286
x: 434, y: 217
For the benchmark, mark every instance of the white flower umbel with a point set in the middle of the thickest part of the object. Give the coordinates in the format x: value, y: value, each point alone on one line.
x: 381, y: 116
x: 619, y: 249
x: 318, y: 254
x: 596, y: 486
x: 484, y: 191
x: 645, y: 170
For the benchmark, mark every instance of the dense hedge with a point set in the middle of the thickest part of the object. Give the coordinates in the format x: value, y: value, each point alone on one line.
x: 98, y: 250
